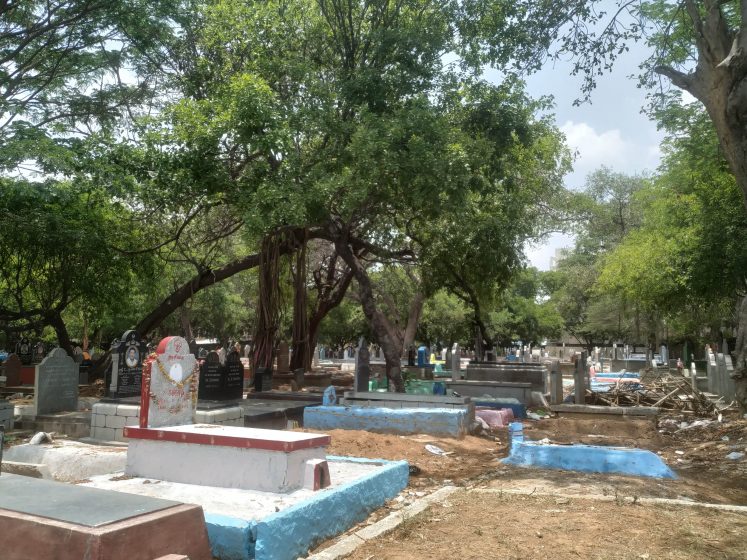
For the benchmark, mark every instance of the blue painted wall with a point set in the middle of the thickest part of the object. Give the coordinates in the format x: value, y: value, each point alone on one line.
x: 291, y: 533
x: 584, y: 458
x: 288, y: 534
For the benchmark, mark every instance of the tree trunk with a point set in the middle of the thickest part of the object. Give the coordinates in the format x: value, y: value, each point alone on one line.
x: 413, y: 318
x: 301, y: 350
x: 63, y: 337
x: 186, y: 323
x: 719, y: 81
x: 382, y: 328
x: 740, y: 368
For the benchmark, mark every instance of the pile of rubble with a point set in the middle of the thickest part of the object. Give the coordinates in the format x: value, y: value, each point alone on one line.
x: 665, y: 391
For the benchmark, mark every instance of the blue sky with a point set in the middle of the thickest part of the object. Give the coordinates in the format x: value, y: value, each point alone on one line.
x: 611, y: 130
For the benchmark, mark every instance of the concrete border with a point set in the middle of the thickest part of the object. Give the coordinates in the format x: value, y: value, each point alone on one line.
x: 348, y: 544
x: 291, y: 533
x: 584, y: 458
x: 603, y: 498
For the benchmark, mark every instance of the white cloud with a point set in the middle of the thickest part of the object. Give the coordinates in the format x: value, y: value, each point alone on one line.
x: 539, y: 255
x: 608, y: 148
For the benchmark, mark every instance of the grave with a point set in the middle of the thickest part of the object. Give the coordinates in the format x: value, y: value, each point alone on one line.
x: 56, y: 384
x: 362, y: 366
x: 395, y: 413
x: 12, y: 370
x: 124, y: 377
x: 167, y: 445
x: 221, y: 382
x: 46, y: 519
x: 584, y: 458
x: 109, y: 417
x: 25, y: 351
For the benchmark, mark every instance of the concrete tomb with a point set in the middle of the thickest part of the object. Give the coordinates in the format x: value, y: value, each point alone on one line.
x: 46, y: 519
x: 56, y: 384
x: 584, y: 458
x: 169, y: 446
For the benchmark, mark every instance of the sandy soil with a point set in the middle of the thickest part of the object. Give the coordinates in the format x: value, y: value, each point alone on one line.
x: 479, y: 525
x: 696, y: 454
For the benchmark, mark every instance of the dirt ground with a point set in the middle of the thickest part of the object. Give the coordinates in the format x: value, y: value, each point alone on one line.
x: 481, y: 525
x: 697, y: 454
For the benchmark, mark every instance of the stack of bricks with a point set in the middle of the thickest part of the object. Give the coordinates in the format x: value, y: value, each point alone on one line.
x: 109, y: 419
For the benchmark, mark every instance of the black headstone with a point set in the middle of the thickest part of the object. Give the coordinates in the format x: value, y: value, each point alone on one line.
x: 411, y: 356
x: 211, y: 372
x: 25, y: 352
x: 262, y: 379
x: 125, y: 375
x: 234, y: 378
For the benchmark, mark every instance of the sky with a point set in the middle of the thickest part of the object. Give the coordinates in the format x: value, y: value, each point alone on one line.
x: 611, y: 130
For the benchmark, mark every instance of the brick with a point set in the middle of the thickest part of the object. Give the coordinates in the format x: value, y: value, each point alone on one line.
x: 115, y: 421
x: 105, y: 408
x: 104, y: 434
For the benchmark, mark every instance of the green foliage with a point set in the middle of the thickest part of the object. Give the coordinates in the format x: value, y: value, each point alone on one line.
x: 55, y: 250
x: 445, y: 319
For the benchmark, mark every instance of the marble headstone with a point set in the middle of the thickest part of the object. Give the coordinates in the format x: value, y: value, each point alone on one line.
x: 25, y: 351
x: 56, y: 384
x: 211, y: 377
x: 233, y: 379
x: 170, y: 381
x: 125, y: 376
x: 12, y: 370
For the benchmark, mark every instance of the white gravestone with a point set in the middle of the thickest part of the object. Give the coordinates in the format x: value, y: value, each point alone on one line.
x: 456, y: 362
x: 170, y: 381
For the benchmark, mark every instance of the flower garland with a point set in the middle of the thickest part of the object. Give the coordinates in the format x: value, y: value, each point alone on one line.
x: 181, y: 383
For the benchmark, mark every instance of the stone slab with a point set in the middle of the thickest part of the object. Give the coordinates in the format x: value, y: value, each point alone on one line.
x: 89, y: 507
x: 56, y: 383
x: 212, y: 455
x: 232, y: 436
x: 493, y: 389
x: 435, y: 421
x: 610, y: 410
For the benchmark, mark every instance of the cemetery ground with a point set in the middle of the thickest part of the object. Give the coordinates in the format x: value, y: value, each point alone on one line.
x: 538, y: 513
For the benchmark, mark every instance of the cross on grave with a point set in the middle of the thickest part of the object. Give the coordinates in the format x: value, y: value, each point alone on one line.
x: 170, y: 381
